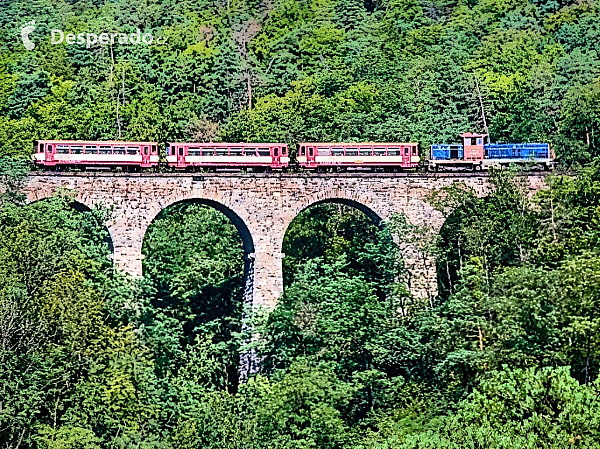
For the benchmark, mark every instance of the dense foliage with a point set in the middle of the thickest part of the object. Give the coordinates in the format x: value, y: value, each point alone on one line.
x: 292, y: 70
x: 507, y: 356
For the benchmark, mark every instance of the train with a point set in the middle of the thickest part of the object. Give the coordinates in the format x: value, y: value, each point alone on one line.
x: 341, y: 156
x: 473, y: 153
x: 476, y: 153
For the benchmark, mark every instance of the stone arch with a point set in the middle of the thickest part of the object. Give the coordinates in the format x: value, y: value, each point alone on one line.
x: 232, y: 215
x: 354, y: 199
x: 357, y: 201
x: 362, y: 205
x: 79, y: 206
x: 248, y: 363
x: 369, y: 212
x: 420, y: 275
x: 243, y: 231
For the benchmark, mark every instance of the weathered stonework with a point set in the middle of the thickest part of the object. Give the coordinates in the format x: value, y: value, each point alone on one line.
x: 261, y: 206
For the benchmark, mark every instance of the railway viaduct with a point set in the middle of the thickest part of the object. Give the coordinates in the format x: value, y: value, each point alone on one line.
x: 262, y: 207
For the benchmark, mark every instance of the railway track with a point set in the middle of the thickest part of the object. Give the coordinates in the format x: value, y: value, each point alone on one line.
x: 238, y: 174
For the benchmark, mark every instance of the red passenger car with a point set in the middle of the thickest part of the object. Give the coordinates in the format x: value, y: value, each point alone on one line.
x: 320, y: 156
x: 260, y: 156
x: 95, y: 154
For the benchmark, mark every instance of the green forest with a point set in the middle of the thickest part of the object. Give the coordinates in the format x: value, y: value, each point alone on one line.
x: 305, y: 70
x: 505, y: 356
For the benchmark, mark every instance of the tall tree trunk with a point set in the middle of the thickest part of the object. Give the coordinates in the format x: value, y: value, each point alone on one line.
x: 249, y: 87
x: 587, y: 361
x: 481, y: 105
x: 552, y: 216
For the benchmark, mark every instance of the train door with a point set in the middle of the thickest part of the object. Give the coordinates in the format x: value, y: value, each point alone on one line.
x: 310, y: 157
x: 405, y: 156
x: 49, y: 153
x: 276, y: 157
x: 180, y: 156
x: 145, y: 155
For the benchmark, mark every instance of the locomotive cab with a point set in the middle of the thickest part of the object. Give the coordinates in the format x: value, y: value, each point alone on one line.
x: 473, y: 146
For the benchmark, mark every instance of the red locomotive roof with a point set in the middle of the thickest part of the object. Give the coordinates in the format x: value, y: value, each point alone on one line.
x: 472, y: 135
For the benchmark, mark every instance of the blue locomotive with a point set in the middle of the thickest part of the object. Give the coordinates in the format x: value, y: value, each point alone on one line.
x: 477, y: 153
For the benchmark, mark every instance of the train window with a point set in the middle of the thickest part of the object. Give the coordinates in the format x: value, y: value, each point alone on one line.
x: 249, y: 151
x: 41, y: 148
x: 379, y: 151
x: 283, y: 151
x: 276, y: 151
x: 91, y: 149
x: 336, y: 152
x: 153, y: 149
x: 310, y: 151
x: 351, y: 151
x: 104, y: 149
x: 76, y: 149
x: 323, y: 151
x: 414, y: 151
x: 62, y: 149
x: 366, y: 151
x: 132, y: 151
x: 264, y: 152
x: 479, y: 141
x: 121, y: 150
x: 235, y: 151
x: 302, y: 151
x: 393, y: 151
x: 222, y: 152
x: 406, y: 150
x: 180, y: 151
x: 194, y: 151
x: 208, y: 151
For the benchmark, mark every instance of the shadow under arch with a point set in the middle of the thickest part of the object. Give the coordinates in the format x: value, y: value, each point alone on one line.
x: 226, y: 302
x: 366, y: 227
x: 243, y: 231
x: 80, y: 207
x: 377, y: 220
x: 452, y: 247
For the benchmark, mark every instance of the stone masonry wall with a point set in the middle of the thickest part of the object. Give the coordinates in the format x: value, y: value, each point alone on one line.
x: 265, y: 203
